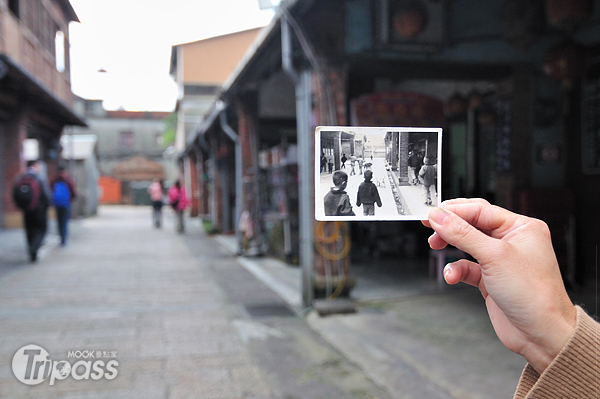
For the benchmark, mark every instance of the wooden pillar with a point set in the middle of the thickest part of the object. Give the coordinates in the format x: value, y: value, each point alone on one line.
x: 331, y: 259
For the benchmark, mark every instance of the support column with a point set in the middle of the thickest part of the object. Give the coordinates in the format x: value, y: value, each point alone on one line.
x: 193, y: 182
x: 403, y: 162
x: 250, y: 199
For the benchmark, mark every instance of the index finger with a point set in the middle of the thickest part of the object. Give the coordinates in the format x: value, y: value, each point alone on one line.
x: 491, y: 219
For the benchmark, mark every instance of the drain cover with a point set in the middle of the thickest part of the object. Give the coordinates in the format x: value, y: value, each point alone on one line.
x: 268, y: 310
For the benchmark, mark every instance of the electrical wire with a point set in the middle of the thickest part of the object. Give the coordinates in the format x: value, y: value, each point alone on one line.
x: 336, y: 255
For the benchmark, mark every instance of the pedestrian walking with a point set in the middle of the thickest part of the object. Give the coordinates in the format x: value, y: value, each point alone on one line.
x: 360, y: 165
x: 428, y: 177
x: 414, y: 165
x: 344, y: 159
x: 178, y: 200
x: 330, y: 165
x: 323, y: 162
x: 63, y: 193
x: 352, y: 165
x: 337, y: 202
x: 157, y: 193
x: 31, y: 196
x: 368, y: 195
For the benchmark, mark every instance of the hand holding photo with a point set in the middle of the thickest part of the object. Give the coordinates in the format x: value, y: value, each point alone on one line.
x: 376, y: 173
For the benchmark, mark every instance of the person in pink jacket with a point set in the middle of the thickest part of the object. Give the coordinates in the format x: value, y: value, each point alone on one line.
x: 179, y: 201
x: 156, y: 196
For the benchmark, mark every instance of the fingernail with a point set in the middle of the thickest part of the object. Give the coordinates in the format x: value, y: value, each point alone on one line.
x: 439, y: 215
x: 447, y: 270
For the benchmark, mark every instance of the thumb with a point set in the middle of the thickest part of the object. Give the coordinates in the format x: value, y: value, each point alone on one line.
x: 462, y: 235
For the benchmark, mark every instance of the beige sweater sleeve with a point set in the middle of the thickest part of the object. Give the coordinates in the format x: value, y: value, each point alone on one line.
x: 574, y: 373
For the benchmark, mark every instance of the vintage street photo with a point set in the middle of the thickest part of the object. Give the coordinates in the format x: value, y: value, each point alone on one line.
x: 376, y: 173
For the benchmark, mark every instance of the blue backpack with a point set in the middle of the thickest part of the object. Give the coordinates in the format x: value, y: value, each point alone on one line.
x: 61, y: 195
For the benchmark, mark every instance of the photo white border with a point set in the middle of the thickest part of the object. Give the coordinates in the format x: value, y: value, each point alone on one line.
x: 319, y: 194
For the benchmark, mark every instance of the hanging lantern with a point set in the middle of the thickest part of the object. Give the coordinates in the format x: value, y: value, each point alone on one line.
x: 566, y: 62
x: 409, y: 18
x: 568, y: 14
x: 456, y: 105
x: 474, y: 100
x: 487, y: 117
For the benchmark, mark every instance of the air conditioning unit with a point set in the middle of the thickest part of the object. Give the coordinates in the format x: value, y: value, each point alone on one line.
x: 412, y: 25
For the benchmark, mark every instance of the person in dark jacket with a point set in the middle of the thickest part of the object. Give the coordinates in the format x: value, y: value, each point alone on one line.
x: 35, y: 215
x: 368, y: 195
x: 414, y: 165
x: 337, y: 201
x: 63, y: 208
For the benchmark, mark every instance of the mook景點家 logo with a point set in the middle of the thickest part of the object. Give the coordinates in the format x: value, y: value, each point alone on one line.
x: 32, y: 365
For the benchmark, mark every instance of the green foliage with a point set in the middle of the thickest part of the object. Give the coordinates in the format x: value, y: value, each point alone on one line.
x: 170, y: 124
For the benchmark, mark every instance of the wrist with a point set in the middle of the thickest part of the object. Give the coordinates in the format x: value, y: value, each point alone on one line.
x: 544, y: 348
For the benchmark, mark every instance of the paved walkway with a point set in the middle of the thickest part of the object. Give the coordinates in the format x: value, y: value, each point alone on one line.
x: 177, y: 312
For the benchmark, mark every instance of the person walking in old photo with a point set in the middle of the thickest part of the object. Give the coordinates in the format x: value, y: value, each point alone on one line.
x: 31, y: 196
x: 428, y: 177
x: 344, y: 159
x: 414, y: 165
x: 368, y: 195
x: 337, y: 201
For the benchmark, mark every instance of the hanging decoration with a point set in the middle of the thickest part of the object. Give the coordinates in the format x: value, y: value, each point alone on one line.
x: 566, y: 62
x: 474, y: 100
x: 409, y: 18
x: 456, y: 105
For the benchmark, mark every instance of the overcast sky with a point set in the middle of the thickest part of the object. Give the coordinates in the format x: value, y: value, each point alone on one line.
x: 132, y: 39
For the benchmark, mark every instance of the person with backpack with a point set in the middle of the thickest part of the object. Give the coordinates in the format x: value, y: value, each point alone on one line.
x: 178, y: 200
x: 428, y: 177
x: 63, y: 193
x: 30, y: 195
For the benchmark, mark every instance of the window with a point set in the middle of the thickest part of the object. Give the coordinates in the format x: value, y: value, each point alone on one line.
x: 200, y: 90
x: 127, y: 140
x: 59, y: 51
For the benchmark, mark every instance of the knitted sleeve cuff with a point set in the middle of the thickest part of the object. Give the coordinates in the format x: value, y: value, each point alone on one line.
x: 574, y: 373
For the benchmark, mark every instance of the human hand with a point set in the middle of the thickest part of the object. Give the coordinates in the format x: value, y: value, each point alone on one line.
x: 517, y: 273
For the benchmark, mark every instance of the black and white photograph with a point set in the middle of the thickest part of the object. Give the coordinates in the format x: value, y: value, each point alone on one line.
x: 376, y: 173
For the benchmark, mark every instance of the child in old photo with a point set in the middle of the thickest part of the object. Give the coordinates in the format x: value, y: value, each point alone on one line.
x: 368, y: 195
x: 428, y: 177
x: 337, y: 201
